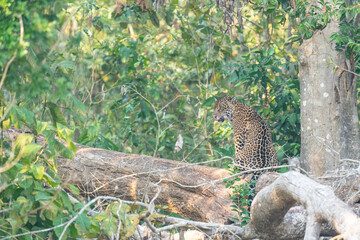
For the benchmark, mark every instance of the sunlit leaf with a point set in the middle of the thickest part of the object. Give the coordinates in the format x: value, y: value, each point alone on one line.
x: 131, y: 223
x: 31, y: 149
x: 38, y: 171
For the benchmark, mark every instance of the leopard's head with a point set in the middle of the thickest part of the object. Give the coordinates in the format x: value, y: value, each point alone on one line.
x: 223, y: 109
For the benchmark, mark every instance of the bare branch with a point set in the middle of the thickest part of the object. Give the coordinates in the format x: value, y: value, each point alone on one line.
x: 350, y: 160
x: 6, y: 70
x: 346, y: 70
x: 157, y: 119
x: 21, y: 30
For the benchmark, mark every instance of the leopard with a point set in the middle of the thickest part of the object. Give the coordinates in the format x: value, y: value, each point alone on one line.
x: 254, y: 149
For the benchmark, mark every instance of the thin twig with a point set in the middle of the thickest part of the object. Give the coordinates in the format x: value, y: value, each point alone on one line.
x: 346, y: 70
x: 350, y: 160
x: 157, y: 120
x: 6, y: 70
x: 209, y: 135
x: 171, y: 102
x: 202, y: 225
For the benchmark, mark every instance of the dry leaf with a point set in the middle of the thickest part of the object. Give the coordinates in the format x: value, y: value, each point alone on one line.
x: 179, y: 143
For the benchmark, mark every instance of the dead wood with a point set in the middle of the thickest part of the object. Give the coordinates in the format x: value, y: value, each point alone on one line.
x: 139, y: 178
x: 290, y: 189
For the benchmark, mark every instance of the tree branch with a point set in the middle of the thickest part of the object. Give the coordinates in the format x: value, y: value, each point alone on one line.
x: 292, y: 188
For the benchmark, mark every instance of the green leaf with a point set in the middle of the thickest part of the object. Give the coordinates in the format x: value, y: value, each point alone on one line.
x: 83, y: 223
x: 25, y: 116
x: 292, y: 119
x: 64, y: 197
x: 209, y: 101
x: 94, y: 229
x: 114, y: 208
x: 131, y: 223
x: 22, y: 140
x: 42, y: 196
x: 14, y: 225
x: 65, y: 133
x: 38, y: 171
x: 72, y: 147
x: 31, y: 149
x: 100, y: 216
x: 67, y: 65
x: 58, y: 220
x: 26, y: 182
x: 57, y: 146
x: 51, y: 211
x: 51, y: 181
x: 74, y: 189
x: 56, y: 114
x: 154, y: 18
x: 26, y: 205
x: 109, y: 225
x: 77, y: 105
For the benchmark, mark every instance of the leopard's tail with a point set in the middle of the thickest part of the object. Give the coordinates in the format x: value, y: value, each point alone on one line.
x: 252, y: 186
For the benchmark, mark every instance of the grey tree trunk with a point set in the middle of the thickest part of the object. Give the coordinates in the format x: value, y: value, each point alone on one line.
x: 329, y: 118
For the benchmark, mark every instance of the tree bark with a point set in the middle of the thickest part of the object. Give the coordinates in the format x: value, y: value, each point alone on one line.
x: 329, y: 118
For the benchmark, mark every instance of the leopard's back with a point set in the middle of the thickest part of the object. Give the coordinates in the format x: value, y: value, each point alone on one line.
x: 252, y: 136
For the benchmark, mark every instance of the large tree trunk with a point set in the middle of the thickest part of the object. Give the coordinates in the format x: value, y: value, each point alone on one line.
x: 329, y: 118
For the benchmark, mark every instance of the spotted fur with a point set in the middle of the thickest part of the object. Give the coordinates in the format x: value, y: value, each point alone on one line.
x: 252, y: 136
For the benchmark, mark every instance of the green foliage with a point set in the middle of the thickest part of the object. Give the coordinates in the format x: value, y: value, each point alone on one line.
x: 348, y: 37
x: 240, y: 198
x: 316, y: 17
x: 313, y: 17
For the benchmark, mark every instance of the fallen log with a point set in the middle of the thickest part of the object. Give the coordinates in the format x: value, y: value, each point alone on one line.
x: 182, y: 187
